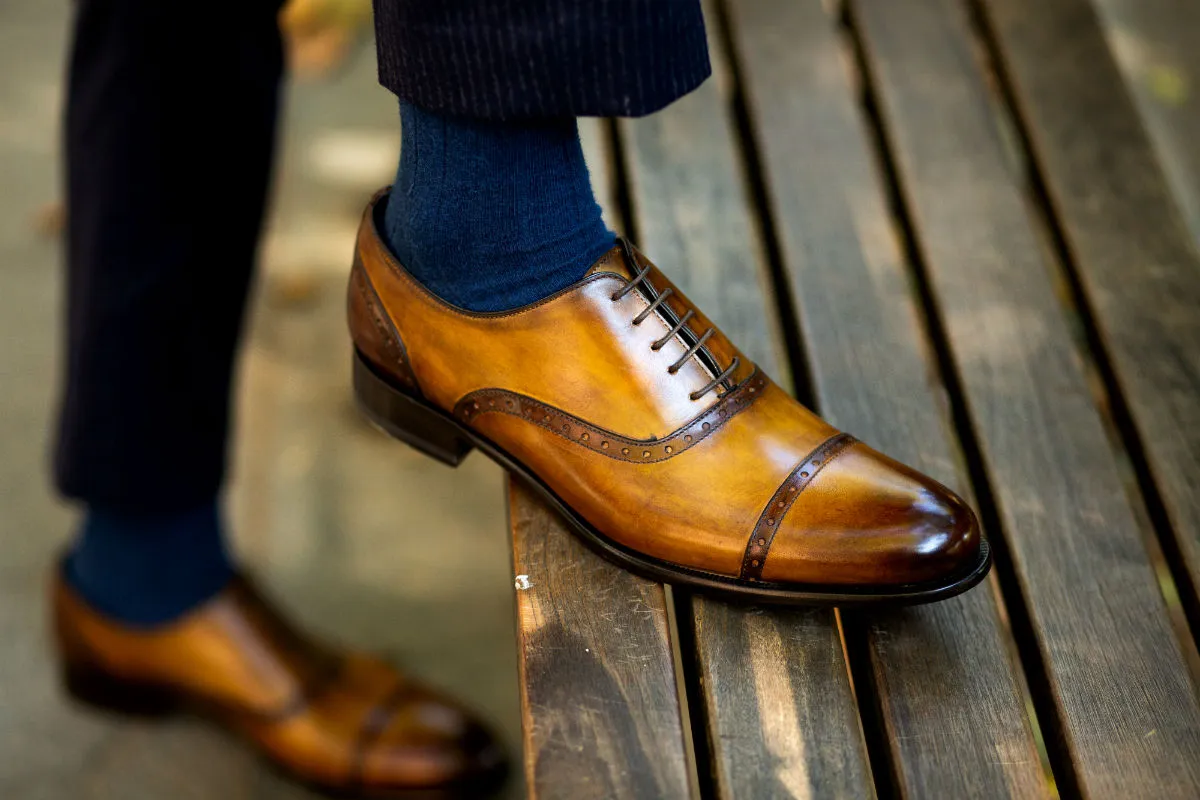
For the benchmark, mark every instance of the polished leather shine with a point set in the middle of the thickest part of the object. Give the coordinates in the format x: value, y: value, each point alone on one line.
x: 347, y: 722
x: 691, y: 485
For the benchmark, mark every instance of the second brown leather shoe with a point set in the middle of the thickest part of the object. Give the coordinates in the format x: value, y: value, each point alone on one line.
x: 665, y: 447
x: 345, y: 722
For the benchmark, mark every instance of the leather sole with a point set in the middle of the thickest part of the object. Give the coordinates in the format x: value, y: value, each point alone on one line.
x: 438, y: 435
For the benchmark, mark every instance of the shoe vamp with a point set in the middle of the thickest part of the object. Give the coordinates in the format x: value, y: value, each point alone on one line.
x: 579, y: 352
x: 695, y: 507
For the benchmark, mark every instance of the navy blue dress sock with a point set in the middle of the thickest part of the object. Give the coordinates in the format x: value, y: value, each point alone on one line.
x: 491, y: 216
x: 148, y: 570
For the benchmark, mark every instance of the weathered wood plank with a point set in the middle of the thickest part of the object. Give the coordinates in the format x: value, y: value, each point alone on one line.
x: 598, y: 691
x: 1157, y: 47
x: 775, y: 687
x: 599, y: 700
x: 947, y: 690
x: 1134, y: 259
x: 1123, y: 706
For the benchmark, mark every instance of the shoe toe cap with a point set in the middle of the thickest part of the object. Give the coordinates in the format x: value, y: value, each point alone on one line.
x: 430, y: 742
x: 867, y: 520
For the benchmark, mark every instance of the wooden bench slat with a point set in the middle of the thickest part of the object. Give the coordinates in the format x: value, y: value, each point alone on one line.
x: 775, y: 687
x: 1123, y: 706
x: 1135, y: 260
x: 781, y: 713
x: 1154, y: 42
x: 598, y: 694
x: 954, y: 718
x: 599, y: 701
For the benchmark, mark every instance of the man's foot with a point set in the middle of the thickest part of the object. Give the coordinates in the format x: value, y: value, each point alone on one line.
x: 344, y: 722
x: 664, y: 446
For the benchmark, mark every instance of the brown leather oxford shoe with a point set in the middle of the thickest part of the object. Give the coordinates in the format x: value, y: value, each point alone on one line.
x: 343, y: 722
x: 665, y: 448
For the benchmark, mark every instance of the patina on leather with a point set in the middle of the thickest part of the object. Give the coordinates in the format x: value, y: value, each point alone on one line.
x: 343, y: 721
x: 377, y: 337
x: 641, y: 416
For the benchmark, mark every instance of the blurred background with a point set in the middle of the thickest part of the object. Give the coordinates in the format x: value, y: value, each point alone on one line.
x: 329, y: 513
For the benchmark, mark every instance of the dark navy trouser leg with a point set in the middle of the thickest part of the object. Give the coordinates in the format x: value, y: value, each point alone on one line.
x: 170, y: 126
x: 523, y: 59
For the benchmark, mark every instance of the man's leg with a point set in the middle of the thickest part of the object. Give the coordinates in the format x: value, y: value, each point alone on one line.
x: 170, y: 128
x: 492, y: 207
x: 169, y: 136
x: 661, y: 442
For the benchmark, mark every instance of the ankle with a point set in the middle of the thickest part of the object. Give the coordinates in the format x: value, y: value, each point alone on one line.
x: 492, y: 216
x: 149, y: 569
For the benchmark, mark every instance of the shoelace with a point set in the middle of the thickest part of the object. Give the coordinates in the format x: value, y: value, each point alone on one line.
x: 679, y: 326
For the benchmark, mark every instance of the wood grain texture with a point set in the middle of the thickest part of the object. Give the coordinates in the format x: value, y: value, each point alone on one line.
x: 1134, y: 258
x: 598, y: 693
x: 1122, y: 700
x: 775, y: 687
x: 947, y: 690
x: 1156, y: 48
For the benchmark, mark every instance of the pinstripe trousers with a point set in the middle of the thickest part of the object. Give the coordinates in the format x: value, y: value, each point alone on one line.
x: 505, y: 59
x: 169, y: 140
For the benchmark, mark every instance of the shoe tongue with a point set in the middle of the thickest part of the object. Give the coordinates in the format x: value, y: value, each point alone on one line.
x: 613, y: 261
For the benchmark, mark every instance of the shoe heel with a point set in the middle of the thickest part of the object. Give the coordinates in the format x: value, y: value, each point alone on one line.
x: 96, y: 690
x: 407, y: 418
